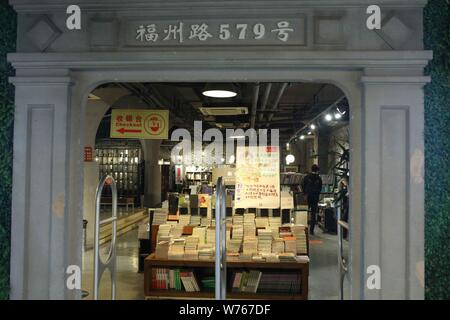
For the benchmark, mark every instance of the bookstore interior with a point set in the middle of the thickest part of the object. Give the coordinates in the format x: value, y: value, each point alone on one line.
x: 282, y: 213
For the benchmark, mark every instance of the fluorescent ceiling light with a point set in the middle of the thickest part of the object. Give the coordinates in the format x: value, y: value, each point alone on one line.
x: 219, y: 94
x: 219, y: 90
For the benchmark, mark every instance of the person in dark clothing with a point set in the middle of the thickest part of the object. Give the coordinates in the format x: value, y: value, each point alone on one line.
x: 312, y: 187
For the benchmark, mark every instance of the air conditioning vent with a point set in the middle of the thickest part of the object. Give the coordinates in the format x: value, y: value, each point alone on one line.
x: 223, y: 111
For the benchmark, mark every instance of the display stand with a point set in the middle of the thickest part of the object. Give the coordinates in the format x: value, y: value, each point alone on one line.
x: 200, y: 267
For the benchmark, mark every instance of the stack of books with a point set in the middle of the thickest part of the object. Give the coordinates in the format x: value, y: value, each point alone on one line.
x: 287, y: 257
x: 162, y: 250
x: 234, y: 245
x: 250, y: 246
x: 205, y: 252
x: 262, y: 222
x: 177, y: 230
x: 249, y: 225
x: 238, y: 219
x: 164, y: 232
x: 191, y: 243
x: 299, y: 233
x: 277, y: 245
x: 264, y: 240
x: 200, y: 233
x: 195, y: 221
x: 184, y: 219
x: 176, y: 250
x: 211, y: 235
x: 270, y: 257
x: 237, y: 232
x: 274, y: 224
x: 205, y: 221
x: 159, y: 217
x: 290, y: 245
x: 285, y: 231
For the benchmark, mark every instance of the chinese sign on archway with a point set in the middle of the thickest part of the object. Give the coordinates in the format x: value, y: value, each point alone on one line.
x: 139, y: 124
x: 238, y: 31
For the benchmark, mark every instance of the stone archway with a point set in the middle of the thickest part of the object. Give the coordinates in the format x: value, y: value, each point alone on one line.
x: 384, y: 89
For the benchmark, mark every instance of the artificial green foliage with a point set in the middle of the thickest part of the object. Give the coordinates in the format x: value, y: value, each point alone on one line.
x: 437, y: 151
x: 7, y: 44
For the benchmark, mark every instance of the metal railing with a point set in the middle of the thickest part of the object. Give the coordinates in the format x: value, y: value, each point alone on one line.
x: 221, y: 250
x: 99, y: 265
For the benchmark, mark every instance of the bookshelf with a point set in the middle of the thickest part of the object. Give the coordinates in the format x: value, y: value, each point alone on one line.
x: 125, y: 163
x: 205, y: 268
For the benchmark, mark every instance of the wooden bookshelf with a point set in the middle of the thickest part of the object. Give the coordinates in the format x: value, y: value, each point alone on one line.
x: 202, y: 266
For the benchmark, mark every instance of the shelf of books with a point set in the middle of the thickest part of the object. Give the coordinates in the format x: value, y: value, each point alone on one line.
x: 265, y: 258
x: 245, y: 279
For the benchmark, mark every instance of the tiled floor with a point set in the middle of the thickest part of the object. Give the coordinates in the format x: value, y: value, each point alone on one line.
x: 129, y: 283
x: 323, y: 270
x: 323, y: 278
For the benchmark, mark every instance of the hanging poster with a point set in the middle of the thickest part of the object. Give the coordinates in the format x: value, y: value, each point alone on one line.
x: 139, y: 124
x: 257, y: 177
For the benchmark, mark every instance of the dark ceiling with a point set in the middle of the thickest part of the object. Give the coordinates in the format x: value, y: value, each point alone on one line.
x: 288, y: 107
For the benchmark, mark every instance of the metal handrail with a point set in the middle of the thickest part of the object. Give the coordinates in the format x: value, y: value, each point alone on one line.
x: 220, y: 254
x: 99, y: 265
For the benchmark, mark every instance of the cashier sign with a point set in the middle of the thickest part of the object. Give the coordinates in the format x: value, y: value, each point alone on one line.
x: 139, y: 124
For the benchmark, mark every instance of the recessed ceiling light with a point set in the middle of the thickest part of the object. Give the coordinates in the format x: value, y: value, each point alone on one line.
x: 219, y: 94
x: 218, y: 90
x: 328, y: 117
x: 302, y: 137
x: 312, y: 126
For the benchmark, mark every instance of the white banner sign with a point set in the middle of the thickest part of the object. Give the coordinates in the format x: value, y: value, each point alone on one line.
x: 257, y: 177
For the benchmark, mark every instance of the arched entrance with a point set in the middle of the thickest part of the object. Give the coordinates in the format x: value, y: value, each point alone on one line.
x: 384, y: 90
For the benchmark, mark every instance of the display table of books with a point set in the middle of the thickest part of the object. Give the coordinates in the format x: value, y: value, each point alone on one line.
x: 171, y: 278
x: 265, y: 258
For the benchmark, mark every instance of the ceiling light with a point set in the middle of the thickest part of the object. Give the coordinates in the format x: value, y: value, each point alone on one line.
x: 302, y: 137
x: 312, y: 126
x: 309, y: 133
x: 218, y: 90
x: 328, y: 117
x: 337, y: 115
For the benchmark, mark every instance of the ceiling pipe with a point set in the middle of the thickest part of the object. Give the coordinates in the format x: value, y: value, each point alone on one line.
x: 264, y: 101
x: 254, y: 105
x: 277, y: 100
x: 317, y: 117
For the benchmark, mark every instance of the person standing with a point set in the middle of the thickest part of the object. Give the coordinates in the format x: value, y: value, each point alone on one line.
x: 312, y: 187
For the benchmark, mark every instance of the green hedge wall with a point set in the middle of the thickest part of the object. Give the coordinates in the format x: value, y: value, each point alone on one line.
x: 7, y: 44
x: 437, y: 151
